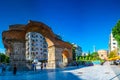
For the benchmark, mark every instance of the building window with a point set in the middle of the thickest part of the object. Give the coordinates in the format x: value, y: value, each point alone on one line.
x: 36, y: 40
x: 40, y: 48
x: 44, y: 46
x: 45, y: 56
x: 114, y: 43
x: 33, y: 40
x: 40, y: 36
x: 32, y: 49
x: 40, y: 40
x: 32, y: 44
x: 27, y: 48
x: 101, y: 55
x: 36, y: 48
x: 33, y: 53
x: 36, y: 44
x: 36, y: 52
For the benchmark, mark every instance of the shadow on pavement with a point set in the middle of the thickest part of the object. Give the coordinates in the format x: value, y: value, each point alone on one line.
x: 50, y: 74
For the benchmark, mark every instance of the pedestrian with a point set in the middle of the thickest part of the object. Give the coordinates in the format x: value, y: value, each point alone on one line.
x: 34, y: 66
x: 76, y: 64
x: 14, y: 69
x: 41, y: 66
x: 44, y: 65
x: 3, y: 68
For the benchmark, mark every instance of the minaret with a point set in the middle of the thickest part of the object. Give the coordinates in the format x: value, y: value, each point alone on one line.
x: 94, y: 48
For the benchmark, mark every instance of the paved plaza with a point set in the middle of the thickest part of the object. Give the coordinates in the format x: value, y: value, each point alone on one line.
x: 96, y: 72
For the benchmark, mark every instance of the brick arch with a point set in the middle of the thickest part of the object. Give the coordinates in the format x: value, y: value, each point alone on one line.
x: 65, y: 53
x: 65, y: 57
x: 43, y: 29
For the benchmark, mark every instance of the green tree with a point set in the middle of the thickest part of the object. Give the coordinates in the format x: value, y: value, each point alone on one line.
x: 4, y: 58
x: 116, y: 32
x: 95, y: 56
x: 73, y: 52
x: 113, y: 54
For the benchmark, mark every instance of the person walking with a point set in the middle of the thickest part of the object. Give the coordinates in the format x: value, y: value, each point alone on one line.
x: 77, y: 64
x: 35, y: 67
x: 44, y: 65
x: 3, y: 67
x: 32, y: 66
x: 14, y: 69
x: 41, y: 66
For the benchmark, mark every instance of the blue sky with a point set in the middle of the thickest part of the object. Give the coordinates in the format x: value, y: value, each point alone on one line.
x: 84, y: 22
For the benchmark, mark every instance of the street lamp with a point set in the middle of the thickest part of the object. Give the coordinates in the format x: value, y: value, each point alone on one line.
x: 0, y: 57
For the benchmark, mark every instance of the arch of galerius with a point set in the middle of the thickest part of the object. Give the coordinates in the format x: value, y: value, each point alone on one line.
x: 59, y: 52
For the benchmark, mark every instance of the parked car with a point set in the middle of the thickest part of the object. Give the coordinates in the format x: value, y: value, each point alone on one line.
x: 117, y: 62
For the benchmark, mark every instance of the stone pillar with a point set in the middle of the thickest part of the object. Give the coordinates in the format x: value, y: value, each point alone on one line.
x: 17, y: 56
x: 58, y: 57
x: 51, y: 57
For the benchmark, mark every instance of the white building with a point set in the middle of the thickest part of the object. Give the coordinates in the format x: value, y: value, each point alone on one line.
x: 112, y: 43
x: 84, y: 54
x: 36, y: 46
x: 78, y: 50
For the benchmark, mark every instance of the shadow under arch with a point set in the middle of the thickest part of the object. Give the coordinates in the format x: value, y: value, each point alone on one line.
x: 65, y: 56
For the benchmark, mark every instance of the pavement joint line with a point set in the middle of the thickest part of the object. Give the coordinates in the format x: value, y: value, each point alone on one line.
x: 114, y: 77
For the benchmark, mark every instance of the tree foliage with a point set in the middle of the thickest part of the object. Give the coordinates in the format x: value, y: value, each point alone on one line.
x: 73, y: 52
x: 4, y: 58
x: 116, y: 32
x: 95, y: 55
x: 90, y: 57
x: 113, y: 54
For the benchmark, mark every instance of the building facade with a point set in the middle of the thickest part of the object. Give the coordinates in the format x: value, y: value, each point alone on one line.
x: 112, y: 43
x: 36, y: 46
x: 103, y: 54
x: 78, y: 50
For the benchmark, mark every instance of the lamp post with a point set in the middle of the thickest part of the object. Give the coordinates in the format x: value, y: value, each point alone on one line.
x: 0, y: 57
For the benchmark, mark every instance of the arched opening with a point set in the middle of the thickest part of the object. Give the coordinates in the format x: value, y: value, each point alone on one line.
x: 40, y: 48
x: 65, y: 55
x: 36, y: 47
